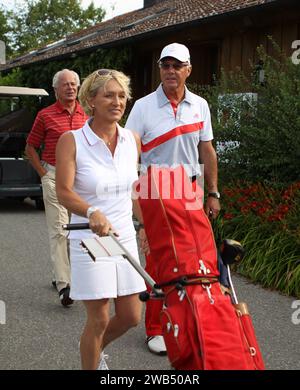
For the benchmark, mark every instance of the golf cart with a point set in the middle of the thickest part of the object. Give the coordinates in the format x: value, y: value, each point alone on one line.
x: 18, y: 179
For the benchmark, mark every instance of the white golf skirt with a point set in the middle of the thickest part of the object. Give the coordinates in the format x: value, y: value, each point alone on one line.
x: 109, y: 277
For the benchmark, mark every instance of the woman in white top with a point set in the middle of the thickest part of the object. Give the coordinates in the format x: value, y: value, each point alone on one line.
x: 95, y: 169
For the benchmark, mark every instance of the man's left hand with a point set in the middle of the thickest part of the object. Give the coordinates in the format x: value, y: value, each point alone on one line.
x: 212, y: 207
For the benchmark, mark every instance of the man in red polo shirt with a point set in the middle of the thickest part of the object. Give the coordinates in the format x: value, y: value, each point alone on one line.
x: 64, y: 115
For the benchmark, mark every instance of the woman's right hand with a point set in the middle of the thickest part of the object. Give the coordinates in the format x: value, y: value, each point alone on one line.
x: 99, y: 224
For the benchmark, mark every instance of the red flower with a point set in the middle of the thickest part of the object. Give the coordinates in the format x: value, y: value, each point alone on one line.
x: 228, y: 216
x: 283, y: 208
x: 245, y: 209
x: 243, y: 199
x: 262, y: 211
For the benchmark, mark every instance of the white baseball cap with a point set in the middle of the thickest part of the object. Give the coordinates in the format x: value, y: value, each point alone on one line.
x: 176, y: 50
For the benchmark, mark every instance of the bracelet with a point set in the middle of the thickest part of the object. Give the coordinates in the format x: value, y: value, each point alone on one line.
x: 90, y: 211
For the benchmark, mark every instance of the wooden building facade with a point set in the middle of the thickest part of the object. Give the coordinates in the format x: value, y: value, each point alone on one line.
x: 226, y: 42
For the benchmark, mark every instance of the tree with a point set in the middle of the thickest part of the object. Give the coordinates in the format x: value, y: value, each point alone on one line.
x: 4, y: 27
x: 40, y: 22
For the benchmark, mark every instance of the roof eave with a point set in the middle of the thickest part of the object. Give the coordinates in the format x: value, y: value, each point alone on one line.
x: 168, y: 29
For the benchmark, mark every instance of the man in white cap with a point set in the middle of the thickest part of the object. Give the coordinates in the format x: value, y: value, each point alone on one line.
x: 175, y: 128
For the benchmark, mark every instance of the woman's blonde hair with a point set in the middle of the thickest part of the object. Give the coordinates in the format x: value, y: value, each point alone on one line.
x: 98, y: 79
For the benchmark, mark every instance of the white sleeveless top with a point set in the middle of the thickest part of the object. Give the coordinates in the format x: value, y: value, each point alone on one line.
x: 104, y: 180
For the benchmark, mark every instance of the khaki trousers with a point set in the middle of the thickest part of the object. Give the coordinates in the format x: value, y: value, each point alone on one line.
x: 56, y: 216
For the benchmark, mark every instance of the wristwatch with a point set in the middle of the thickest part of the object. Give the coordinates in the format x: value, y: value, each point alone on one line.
x: 90, y: 211
x: 215, y: 195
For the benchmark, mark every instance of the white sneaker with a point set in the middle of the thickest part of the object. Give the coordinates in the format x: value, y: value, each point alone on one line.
x: 102, y: 363
x: 156, y: 344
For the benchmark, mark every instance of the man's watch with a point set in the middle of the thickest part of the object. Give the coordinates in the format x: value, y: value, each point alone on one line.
x: 90, y: 211
x: 215, y: 195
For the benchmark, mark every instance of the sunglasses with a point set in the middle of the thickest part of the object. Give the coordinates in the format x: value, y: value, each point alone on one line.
x: 176, y: 65
x: 104, y: 72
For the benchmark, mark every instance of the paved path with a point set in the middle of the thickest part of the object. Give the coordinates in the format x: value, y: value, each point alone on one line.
x: 41, y: 334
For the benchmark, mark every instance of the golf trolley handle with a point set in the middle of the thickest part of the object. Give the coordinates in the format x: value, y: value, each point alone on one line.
x: 76, y: 226
x: 135, y: 265
x: 151, y: 282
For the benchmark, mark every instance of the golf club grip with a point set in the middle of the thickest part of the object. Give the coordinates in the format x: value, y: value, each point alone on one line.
x: 76, y: 226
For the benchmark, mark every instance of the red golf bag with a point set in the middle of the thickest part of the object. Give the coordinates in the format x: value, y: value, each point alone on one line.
x: 202, y: 328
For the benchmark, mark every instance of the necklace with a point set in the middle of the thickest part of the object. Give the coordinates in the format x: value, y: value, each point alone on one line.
x: 108, y: 143
x: 111, y: 141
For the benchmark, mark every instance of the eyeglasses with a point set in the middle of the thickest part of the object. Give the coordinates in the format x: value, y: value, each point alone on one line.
x: 176, y: 65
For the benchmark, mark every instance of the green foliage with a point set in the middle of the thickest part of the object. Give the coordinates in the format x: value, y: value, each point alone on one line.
x: 266, y: 221
x: 258, y: 140
x: 36, y: 23
x: 3, y: 23
x: 14, y: 78
x: 5, y: 28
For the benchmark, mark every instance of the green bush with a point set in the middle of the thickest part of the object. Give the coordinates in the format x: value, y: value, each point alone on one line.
x: 266, y: 221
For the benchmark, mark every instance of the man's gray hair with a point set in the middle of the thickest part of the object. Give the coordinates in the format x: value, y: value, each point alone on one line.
x: 57, y: 75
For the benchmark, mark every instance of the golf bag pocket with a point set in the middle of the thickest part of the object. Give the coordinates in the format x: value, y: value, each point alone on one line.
x: 171, y: 332
x: 249, y: 335
x: 179, y: 331
x: 221, y: 338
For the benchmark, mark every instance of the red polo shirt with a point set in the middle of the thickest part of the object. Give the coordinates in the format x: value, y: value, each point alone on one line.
x: 50, y: 124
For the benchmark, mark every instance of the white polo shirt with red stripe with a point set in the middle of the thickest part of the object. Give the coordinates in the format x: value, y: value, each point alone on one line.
x: 170, y: 139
